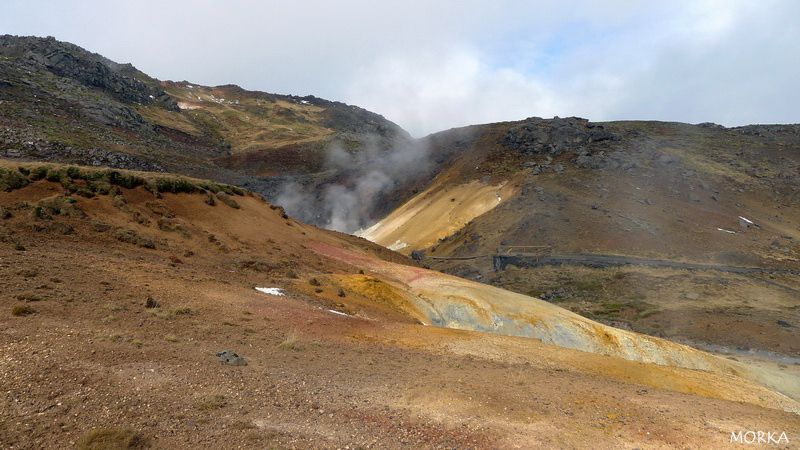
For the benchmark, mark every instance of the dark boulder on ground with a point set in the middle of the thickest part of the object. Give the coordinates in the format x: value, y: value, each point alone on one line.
x: 231, y: 358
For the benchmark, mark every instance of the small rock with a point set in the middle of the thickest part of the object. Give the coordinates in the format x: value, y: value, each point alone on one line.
x: 668, y: 159
x: 151, y: 303
x: 784, y: 324
x: 314, y: 282
x: 692, y: 295
x: 342, y: 293
x: 231, y: 358
x: 558, y: 168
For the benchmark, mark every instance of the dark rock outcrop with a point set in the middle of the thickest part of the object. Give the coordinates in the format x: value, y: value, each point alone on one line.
x: 70, y: 61
x: 554, y: 136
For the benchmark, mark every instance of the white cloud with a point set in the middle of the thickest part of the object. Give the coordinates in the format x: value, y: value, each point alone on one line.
x: 432, y: 91
x: 432, y: 65
x: 728, y: 62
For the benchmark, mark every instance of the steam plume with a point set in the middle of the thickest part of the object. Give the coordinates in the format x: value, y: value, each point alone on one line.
x: 356, y: 181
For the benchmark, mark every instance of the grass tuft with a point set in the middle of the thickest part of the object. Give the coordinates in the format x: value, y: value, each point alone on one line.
x: 210, y: 401
x: 292, y: 342
x: 111, y: 438
x: 22, y: 310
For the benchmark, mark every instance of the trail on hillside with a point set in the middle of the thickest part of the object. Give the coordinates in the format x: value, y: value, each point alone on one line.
x: 600, y: 261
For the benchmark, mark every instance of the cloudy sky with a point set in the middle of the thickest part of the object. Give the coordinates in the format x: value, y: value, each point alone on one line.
x: 430, y: 66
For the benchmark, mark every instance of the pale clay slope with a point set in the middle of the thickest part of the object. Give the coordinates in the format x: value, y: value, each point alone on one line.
x: 434, y: 214
x: 442, y: 300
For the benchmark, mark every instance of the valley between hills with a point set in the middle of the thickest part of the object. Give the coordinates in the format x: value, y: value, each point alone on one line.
x: 187, y: 266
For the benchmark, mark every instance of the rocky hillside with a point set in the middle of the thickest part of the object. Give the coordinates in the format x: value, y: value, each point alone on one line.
x: 649, y: 190
x: 61, y: 103
x: 145, y: 308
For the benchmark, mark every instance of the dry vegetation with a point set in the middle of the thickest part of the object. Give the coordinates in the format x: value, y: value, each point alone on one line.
x: 247, y: 123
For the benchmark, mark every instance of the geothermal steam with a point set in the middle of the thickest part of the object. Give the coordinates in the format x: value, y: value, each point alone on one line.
x: 362, y: 176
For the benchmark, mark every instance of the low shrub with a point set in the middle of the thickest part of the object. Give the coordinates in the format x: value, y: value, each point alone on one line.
x: 228, y: 200
x: 54, y: 175
x: 38, y: 173
x: 129, y: 237
x: 128, y: 181
x: 11, y: 179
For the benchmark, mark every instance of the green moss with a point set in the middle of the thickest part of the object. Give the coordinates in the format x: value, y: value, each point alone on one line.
x: 74, y: 173
x: 11, y: 179
x: 588, y: 285
x: 54, y: 175
x: 85, y: 192
x: 100, y: 186
x: 38, y: 173
x: 176, y: 185
x: 128, y: 181
x: 41, y: 213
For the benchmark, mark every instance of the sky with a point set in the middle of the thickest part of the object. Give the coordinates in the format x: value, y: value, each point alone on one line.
x: 430, y: 66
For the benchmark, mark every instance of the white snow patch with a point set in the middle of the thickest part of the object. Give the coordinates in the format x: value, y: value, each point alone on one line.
x: 305, y: 102
x: 727, y: 231
x: 746, y: 220
x: 397, y: 245
x: 152, y: 96
x: 339, y: 312
x: 189, y: 86
x: 271, y: 291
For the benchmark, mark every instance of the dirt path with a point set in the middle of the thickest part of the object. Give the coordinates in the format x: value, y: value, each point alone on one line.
x: 600, y: 261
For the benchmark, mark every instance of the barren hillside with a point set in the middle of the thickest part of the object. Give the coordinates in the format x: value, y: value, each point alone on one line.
x: 62, y: 103
x: 680, y: 193
x: 547, y: 283
x: 120, y: 288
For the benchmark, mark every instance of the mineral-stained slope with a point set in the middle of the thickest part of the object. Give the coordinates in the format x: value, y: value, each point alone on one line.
x: 676, y: 193
x: 120, y: 288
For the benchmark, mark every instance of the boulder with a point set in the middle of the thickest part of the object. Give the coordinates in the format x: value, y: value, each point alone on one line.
x: 231, y: 358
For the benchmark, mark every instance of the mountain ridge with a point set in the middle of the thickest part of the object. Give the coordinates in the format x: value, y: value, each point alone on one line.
x: 176, y: 306
x: 61, y: 103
